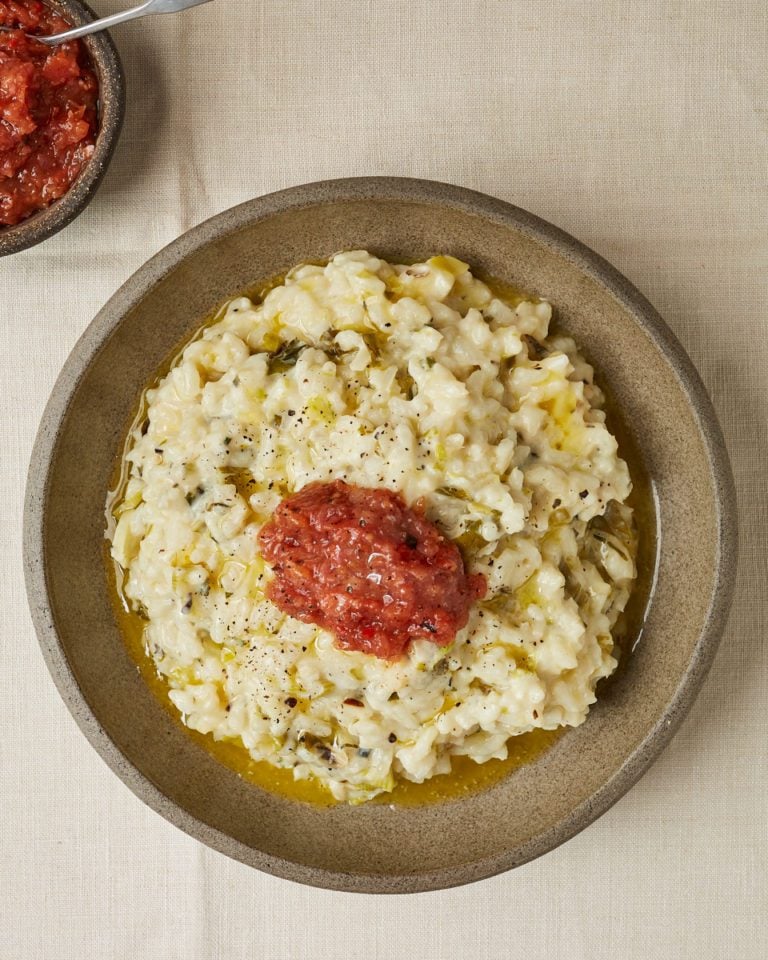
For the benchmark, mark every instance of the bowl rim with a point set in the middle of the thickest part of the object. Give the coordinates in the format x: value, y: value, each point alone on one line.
x: 112, y: 96
x: 501, y: 213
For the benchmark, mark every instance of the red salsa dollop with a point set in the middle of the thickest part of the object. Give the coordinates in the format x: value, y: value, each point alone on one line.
x: 363, y: 565
x: 48, y: 110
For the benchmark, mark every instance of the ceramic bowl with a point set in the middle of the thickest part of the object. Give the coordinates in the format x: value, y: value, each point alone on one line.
x: 109, y: 71
x: 378, y: 847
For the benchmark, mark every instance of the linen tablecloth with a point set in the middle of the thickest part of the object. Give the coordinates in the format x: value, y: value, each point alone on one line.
x: 639, y: 127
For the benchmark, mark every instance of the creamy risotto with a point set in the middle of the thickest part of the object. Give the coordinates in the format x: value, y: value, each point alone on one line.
x: 415, y: 379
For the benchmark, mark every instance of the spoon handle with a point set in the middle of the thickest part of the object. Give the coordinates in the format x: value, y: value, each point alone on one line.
x: 143, y: 10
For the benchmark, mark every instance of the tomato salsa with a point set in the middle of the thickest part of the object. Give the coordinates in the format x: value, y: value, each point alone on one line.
x: 48, y: 110
x: 363, y: 565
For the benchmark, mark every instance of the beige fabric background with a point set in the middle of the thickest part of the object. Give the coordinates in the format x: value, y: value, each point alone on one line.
x: 641, y: 127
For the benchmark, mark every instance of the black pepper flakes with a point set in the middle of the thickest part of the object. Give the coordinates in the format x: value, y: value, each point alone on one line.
x: 392, y: 738
x: 194, y: 494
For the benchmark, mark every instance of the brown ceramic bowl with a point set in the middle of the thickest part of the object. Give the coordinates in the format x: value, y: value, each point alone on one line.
x: 378, y: 848
x: 109, y: 71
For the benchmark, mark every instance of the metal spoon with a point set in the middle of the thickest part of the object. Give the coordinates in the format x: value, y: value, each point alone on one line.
x: 143, y: 10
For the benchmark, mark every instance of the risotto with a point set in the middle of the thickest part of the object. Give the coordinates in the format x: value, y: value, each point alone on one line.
x: 418, y: 380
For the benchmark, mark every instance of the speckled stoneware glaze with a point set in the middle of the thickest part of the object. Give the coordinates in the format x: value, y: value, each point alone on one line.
x: 378, y: 848
x: 109, y: 71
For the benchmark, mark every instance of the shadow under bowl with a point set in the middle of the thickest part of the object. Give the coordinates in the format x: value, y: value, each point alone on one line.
x: 378, y: 848
x: 45, y: 223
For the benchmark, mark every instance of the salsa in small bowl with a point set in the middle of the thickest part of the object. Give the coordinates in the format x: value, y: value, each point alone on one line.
x: 61, y: 109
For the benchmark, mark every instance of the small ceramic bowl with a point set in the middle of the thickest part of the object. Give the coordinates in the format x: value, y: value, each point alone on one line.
x: 379, y: 847
x: 109, y: 71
